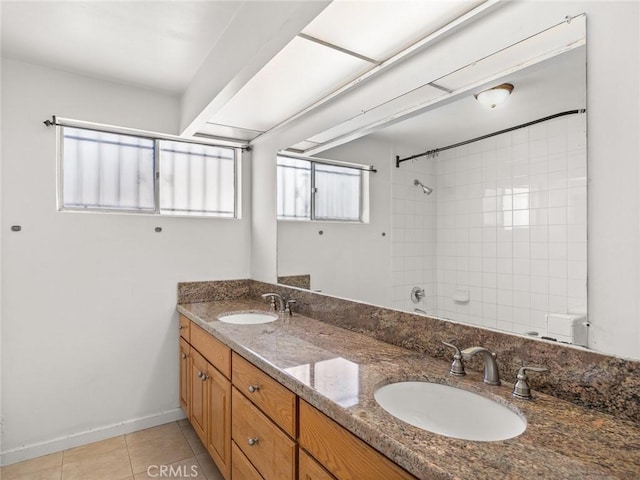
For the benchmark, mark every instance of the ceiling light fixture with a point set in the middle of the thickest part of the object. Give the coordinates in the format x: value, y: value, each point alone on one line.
x: 494, y: 96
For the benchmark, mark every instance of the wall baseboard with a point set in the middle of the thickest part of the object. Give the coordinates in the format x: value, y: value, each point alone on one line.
x: 27, y: 452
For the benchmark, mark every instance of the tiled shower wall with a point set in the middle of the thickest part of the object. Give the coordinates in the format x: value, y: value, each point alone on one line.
x: 502, y: 241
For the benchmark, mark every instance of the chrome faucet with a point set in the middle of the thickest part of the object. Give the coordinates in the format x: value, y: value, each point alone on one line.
x: 272, y: 297
x: 491, y: 374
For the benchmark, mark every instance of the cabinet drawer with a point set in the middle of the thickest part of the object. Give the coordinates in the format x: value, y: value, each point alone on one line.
x: 269, y: 449
x: 273, y: 399
x: 309, y: 469
x: 241, y: 468
x: 216, y: 352
x: 342, y: 453
x: 185, y: 327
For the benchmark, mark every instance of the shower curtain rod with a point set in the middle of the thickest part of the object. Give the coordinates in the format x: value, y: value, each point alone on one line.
x: 435, y: 151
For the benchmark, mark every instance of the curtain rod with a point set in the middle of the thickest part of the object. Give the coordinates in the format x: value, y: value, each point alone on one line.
x: 69, y: 122
x: 435, y: 151
x: 326, y: 161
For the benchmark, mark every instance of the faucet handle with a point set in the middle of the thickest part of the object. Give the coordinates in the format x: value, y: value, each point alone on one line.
x: 271, y: 298
x: 521, y: 388
x: 457, y: 366
x: 287, y: 308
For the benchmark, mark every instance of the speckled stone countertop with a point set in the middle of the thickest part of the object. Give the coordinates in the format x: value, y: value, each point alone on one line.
x: 562, y: 440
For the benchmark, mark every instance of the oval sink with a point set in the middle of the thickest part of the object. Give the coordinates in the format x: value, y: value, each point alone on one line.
x: 248, y: 318
x: 450, y: 411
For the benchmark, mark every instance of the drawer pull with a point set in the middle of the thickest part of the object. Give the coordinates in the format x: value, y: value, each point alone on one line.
x: 182, y: 327
x: 252, y: 441
x: 253, y: 388
x: 184, y: 355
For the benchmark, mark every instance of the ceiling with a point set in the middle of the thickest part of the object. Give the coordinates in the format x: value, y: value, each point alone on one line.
x: 158, y: 45
x: 244, y: 69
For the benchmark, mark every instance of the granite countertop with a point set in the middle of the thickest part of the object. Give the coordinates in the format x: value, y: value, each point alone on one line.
x: 337, y: 371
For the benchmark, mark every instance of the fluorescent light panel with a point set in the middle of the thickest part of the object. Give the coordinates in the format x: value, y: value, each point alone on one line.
x: 381, y: 29
x: 302, y: 72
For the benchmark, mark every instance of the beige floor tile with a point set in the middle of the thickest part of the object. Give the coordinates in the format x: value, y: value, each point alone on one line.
x: 93, y: 449
x: 53, y: 473
x: 159, y: 446
x: 208, y: 467
x: 112, y: 465
x: 17, y: 470
x: 151, y: 434
x: 184, y: 423
x: 188, y: 469
x: 193, y: 439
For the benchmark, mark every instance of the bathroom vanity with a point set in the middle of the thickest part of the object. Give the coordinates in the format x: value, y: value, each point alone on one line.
x: 294, y: 399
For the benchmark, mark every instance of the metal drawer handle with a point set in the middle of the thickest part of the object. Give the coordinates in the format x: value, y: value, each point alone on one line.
x: 182, y: 327
x: 184, y: 355
x: 253, y: 388
x: 252, y: 441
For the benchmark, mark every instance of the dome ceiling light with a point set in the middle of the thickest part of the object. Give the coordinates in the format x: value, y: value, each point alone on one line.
x: 494, y: 96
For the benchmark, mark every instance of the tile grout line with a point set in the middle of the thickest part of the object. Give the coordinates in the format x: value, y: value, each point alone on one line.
x: 126, y: 444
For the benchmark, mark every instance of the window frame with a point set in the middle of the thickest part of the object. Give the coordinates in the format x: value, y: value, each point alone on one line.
x: 157, y: 138
x: 363, y: 204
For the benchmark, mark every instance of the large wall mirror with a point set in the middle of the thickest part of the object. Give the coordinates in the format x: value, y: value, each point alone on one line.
x: 475, y: 214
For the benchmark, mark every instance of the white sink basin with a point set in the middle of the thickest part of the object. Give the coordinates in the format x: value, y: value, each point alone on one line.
x: 450, y: 411
x: 248, y: 318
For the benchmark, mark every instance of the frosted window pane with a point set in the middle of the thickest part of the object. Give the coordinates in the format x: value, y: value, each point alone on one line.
x: 197, y: 179
x: 107, y: 171
x: 294, y: 189
x: 338, y: 192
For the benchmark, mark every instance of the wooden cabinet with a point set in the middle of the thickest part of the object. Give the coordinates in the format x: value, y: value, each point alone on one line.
x: 219, y: 421
x: 276, y: 401
x: 252, y: 426
x: 199, y: 395
x: 342, y: 453
x: 205, y: 388
x: 267, y: 447
x: 185, y: 328
x: 185, y: 377
x: 241, y: 468
x: 309, y: 469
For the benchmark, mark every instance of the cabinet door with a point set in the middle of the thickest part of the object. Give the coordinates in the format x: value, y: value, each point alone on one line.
x: 309, y: 469
x: 199, y: 395
x: 342, y: 453
x: 185, y: 376
x: 241, y: 467
x: 267, y: 447
x: 219, y: 439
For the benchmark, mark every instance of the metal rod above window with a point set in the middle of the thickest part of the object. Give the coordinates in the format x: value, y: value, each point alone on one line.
x: 70, y: 122
x: 326, y: 161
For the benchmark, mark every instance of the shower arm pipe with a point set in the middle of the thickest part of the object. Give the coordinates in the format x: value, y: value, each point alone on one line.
x: 435, y: 151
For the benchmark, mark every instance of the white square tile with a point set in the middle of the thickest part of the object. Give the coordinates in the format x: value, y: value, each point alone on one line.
x: 504, y: 297
x: 521, y: 266
x: 577, y: 252
x: 521, y: 299
x: 521, y: 283
x: 558, y: 269
x: 540, y: 285
x: 539, y: 268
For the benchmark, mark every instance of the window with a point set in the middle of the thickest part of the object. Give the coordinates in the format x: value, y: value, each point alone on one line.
x: 110, y: 171
x: 315, y: 190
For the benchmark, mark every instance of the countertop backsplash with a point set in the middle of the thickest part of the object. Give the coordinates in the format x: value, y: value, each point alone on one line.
x: 583, y: 377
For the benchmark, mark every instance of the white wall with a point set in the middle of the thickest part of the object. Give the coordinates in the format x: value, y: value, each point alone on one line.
x: 89, y: 344
x: 613, y: 150
x: 351, y: 260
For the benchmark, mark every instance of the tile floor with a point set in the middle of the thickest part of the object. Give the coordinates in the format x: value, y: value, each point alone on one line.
x: 135, y: 456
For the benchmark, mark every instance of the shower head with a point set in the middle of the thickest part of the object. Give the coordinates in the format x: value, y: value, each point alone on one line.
x: 425, y: 189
